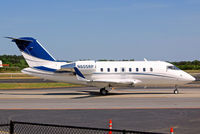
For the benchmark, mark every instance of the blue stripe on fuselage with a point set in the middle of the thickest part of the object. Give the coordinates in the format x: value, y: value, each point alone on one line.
x: 45, y: 69
x: 158, y: 75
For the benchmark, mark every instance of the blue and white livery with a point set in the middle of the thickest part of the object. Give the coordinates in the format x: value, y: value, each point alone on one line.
x: 102, y: 74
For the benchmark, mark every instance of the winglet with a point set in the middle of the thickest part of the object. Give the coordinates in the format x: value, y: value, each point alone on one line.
x: 79, y: 73
x: 80, y: 76
x: 145, y: 59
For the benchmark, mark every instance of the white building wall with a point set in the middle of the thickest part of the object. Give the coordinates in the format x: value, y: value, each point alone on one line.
x: 1, y: 64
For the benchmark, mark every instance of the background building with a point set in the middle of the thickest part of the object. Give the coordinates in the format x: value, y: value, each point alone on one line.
x: 1, y: 64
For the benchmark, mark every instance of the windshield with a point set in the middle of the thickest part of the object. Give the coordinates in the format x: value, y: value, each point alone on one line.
x: 173, y: 68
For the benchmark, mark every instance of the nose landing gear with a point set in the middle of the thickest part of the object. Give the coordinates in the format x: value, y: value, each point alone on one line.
x: 176, y: 90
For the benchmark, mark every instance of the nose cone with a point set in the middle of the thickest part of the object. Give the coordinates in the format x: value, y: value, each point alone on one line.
x: 186, y: 78
x: 190, y: 78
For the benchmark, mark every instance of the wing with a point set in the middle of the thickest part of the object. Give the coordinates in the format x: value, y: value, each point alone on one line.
x: 106, y: 82
x: 114, y: 82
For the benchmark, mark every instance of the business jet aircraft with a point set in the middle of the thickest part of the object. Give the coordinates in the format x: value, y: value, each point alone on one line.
x: 102, y: 74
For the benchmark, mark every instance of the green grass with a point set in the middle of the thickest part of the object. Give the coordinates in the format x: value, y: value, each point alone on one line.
x: 16, y: 76
x: 9, y: 71
x: 192, y: 71
x: 35, y: 85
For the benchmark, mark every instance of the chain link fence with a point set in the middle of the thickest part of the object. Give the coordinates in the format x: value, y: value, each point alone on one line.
x: 4, y: 128
x: 16, y: 127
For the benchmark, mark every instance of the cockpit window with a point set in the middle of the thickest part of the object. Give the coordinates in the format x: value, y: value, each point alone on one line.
x: 173, y: 68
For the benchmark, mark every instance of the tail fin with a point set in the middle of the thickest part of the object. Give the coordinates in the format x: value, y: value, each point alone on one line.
x: 34, y: 53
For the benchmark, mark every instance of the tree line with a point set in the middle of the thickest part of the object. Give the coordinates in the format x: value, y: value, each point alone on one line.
x: 17, y: 63
x: 188, y: 65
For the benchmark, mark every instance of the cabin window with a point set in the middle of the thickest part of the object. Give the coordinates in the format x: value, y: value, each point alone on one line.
x: 137, y: 69
x: 108, y: 69
x: 115, y: 69
x: 144, y: 69
x: 151, y: 69
x: 101, y: 69
x: 123, y: 69
x: 130, y: 69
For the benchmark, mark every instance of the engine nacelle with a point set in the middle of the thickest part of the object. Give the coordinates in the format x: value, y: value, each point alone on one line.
x: 86, y: 67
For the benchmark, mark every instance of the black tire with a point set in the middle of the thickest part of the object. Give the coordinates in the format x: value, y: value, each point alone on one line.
x: 176, y: 91
x: 103, y: 91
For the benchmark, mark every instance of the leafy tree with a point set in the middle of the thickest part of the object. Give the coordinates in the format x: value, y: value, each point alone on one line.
x: 16, y: 63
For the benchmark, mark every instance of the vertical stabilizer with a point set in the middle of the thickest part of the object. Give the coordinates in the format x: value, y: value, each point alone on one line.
x: 34, y: 53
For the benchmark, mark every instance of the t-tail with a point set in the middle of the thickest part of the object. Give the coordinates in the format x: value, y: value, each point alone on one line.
x: 34, y: 53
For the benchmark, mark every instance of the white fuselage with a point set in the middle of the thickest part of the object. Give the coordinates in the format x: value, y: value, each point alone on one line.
x: 140, y: 73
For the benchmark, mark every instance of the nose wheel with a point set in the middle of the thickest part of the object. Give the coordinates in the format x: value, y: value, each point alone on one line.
x: 176, y: 91
x: 103, y: 91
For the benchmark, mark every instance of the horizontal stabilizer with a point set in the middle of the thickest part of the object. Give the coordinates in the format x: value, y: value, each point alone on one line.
x: 15, y: 39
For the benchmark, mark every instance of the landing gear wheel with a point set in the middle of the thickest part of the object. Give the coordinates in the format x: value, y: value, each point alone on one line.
x: 176, y: 91
x: 103, y: 91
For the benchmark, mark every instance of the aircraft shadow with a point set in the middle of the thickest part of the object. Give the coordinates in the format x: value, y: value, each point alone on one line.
x: 65, y: 94
x: 92, y: 94
x: 47, y: 94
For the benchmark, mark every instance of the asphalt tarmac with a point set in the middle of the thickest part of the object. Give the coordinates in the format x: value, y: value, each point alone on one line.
x: 151, y: 109
x: 184, y: 121
x: 89, y: 98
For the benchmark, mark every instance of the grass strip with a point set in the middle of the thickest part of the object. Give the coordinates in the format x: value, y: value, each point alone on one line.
x: 3, y: 78
x: 192, y: 71
x: 14, y: 75
x: 35, y: 85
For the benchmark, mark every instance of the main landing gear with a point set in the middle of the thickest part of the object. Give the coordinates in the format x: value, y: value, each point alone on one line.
x: 176, y: 90
x: 103, y: 91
